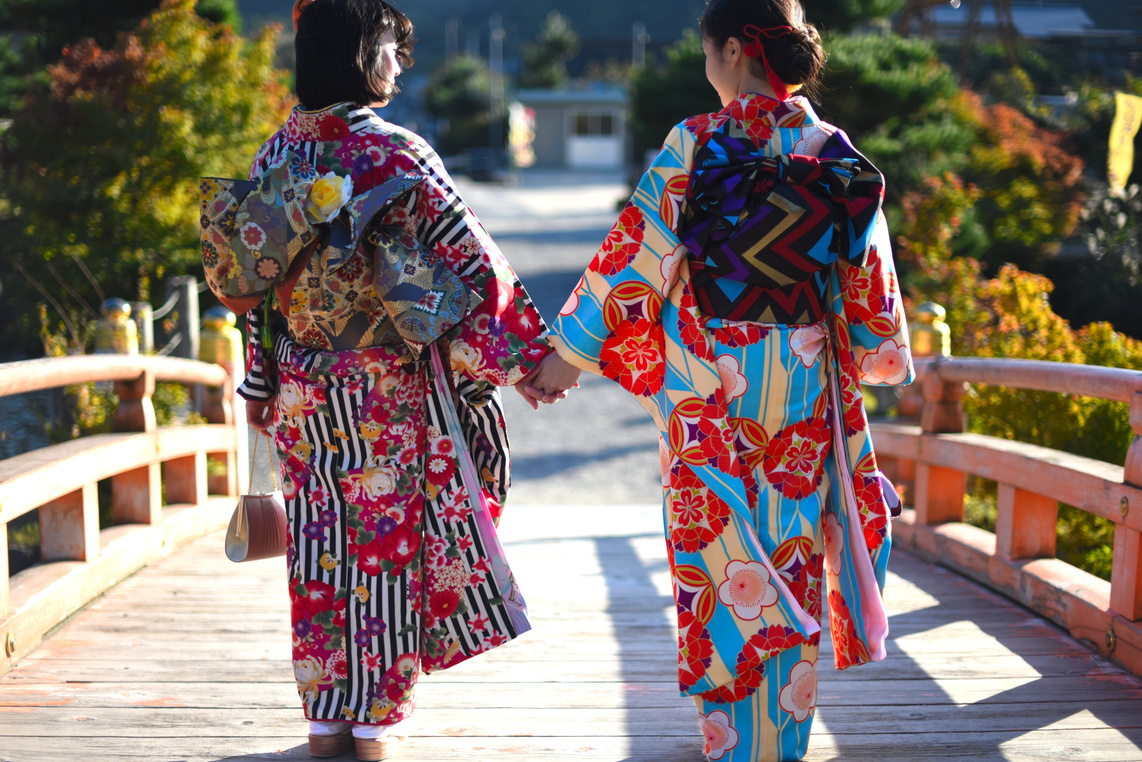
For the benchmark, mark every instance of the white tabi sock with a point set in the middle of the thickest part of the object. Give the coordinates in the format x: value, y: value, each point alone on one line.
x: 328, y: 728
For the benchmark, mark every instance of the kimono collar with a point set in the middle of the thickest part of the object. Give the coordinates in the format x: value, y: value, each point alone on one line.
x: 328, y: 124
x: 749, y: 106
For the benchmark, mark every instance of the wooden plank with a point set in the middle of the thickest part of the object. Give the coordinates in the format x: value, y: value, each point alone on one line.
x: 1092, y: 745
x: 995, y: 691
x: 52, y: 372
x: 45, y: 595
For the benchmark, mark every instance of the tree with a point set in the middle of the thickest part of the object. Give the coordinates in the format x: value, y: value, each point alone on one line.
x: 100, y: 172
x: 545, y: 59
x: 666, y: 94
x: 842, y: 15
x: 46, y: 27
x: 459, y: 98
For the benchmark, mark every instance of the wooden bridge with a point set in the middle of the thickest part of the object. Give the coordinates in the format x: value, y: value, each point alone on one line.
x: 140, y: 641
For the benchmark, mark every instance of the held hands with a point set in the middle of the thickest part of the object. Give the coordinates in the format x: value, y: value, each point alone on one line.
x: 550, y: 382
x: 261, y: 415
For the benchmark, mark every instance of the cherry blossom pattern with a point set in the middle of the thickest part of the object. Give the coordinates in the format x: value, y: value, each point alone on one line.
x: 795, y: 458
x: 798, y: 697
x: 807, y: 343
x: 670, y: 266
x: 622, y: 243
x: 572, y: 303
x: 747, y: 589
x: 734, y: 384
x: 720, y: 734
x: 633, y: 356
x: 887, y: 365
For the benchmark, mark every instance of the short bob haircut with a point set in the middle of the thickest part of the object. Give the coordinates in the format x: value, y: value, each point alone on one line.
x: 338, y: 51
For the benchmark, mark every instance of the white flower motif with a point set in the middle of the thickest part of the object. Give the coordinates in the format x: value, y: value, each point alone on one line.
x: 747, y: 589
x: 377, y: 479
x: 310, y: 675
x: 834, y: 544
x: 292, y: 402
x: 799, y: 696
x: 669, y: 267
x: 720, y: 735
x: 734, y: 384
x: 887, y: 365
x: 807, y: 343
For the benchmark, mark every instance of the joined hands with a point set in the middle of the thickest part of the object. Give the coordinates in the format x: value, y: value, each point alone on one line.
x: 550, y: 381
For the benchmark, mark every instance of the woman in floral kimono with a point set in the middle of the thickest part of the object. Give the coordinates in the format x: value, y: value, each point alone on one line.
x: 743, y: 296
x: 391, y: 318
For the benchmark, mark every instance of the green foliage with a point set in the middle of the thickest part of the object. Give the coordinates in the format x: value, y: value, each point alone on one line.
x: 545, y: 59
x: 459, y: 97
x: 101, y: 170
x: 664, y: 95
x: 842, y: 15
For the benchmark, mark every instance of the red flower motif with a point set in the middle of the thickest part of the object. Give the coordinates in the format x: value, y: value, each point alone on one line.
x: 741, y: 687
x: 369, y: 558
x: 848, y: 648
x: 400, y: 546
x: 703, y: 123
x: 795, y: 457
x: 695, y: 649
x: 332, y: 127
x: 698, y: 516
x: 622, y: 243
x: 444, y: 602
x: 692, y: 327
x: 740, y: 335
x: 318, y: 597
x: 633, y: 356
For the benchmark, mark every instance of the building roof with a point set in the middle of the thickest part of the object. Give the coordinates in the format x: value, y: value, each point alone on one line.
x: 594, y: 94
x: 1031, y: 21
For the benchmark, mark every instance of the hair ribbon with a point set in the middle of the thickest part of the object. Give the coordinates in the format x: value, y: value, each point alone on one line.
x: 299, y: 7
x: 756, y: 48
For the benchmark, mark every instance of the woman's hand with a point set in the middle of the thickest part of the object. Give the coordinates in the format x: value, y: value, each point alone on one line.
x: 262, y: 415
x: 550, y: 383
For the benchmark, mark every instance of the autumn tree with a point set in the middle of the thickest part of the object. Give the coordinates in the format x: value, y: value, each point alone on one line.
x: 100, y: 172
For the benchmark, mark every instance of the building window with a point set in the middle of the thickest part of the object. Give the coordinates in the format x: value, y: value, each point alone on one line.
x: 596, y: 123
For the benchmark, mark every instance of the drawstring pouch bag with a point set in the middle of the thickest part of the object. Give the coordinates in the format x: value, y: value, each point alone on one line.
x: 258, y: 528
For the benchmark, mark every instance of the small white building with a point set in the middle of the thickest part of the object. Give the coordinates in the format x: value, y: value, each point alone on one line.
x: 579, y: 127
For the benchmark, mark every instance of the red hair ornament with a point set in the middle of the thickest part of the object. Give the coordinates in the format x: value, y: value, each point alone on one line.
x: 755, y: 48
x: 299, y: 7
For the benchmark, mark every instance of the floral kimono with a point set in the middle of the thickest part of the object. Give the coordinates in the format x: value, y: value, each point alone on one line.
x: 747, y: 336
x: 398, y: 319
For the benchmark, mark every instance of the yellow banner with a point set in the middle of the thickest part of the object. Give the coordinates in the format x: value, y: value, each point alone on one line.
x: 1127, y: 120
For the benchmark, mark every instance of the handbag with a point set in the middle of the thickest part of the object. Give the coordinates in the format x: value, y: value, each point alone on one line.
x: 258, y: 529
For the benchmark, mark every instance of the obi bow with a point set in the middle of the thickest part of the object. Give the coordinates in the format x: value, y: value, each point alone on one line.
x: 258, y: 236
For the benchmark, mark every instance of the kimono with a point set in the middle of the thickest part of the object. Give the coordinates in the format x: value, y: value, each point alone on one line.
x: 747, y: 338
x: 391, y: 323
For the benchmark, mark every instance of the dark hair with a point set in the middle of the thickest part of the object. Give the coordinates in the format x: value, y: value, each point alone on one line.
x: 337, y: 47
x: 796, y: 58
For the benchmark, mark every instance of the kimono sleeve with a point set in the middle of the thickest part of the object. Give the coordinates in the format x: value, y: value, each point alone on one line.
x: 871, y: 315
x: 258, y: 386
x: 502, y: 341
x: 620, y: 296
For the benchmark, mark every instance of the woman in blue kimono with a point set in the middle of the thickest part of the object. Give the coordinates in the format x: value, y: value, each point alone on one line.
x: 744, y: 295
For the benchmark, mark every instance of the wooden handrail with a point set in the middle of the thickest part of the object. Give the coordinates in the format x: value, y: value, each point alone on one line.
x: 933, y: 460
x: 51, y: 372
x: 1116, y: 384
x: 142, y: 463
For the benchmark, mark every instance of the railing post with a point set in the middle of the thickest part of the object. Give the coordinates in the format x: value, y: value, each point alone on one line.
x: 136, y: 496
x: 1025, y: 525
x: 4, y: 586
x: 222, y: 343
x: 69, y: 526
x: 940, y: 491
x: 1126, y: 574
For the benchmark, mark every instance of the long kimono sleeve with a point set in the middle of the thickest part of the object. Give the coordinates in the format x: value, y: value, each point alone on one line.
x: 501, y: 341
x: 636, y: 267
x: 258, y: 386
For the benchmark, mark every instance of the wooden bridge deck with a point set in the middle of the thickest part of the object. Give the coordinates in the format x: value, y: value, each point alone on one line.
x: 188, y: 660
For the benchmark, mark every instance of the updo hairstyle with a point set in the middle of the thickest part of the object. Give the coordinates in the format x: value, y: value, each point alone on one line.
x: 338, y: 51
x: 796, y: 57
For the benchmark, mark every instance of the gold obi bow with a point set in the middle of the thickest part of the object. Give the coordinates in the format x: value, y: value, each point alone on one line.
x: 258, y: 235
